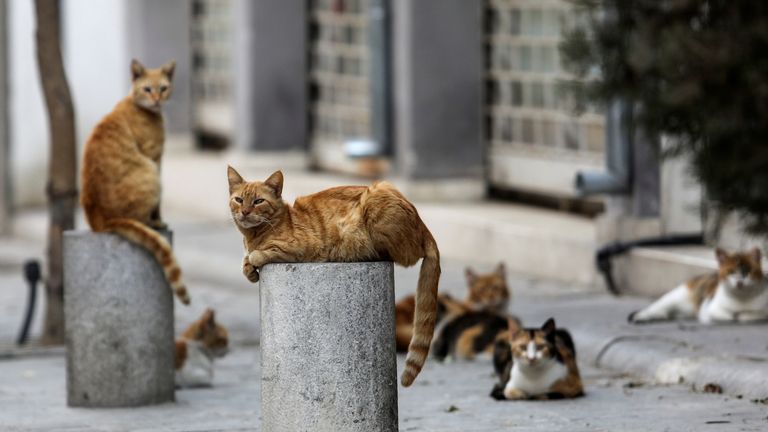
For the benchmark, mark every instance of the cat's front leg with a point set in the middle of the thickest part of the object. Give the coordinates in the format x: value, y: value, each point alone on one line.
x: 751, y: 316
x: 512, y: 393
x: 155, y: 221
x: 258, y: 258
x: 250, y: 272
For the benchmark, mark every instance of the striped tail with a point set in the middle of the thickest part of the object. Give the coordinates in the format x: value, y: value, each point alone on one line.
x: 426, y: 312
x: 147, y: 238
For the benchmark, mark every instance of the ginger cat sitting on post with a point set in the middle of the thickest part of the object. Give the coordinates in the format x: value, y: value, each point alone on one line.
x: 121, y: 169
x: 342, y: 224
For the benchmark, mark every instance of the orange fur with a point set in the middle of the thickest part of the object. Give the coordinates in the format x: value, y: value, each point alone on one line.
x: 488, y: 291
x: 342, y: 224
x: 212, y: 336
x: 704, y: 287
x: 406, y: 308
x: 121, y: 170
x: 485, y: 292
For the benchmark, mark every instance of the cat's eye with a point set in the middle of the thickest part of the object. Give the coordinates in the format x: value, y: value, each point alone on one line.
x: 163, y: 88
x: 258, y: 201
x: 238, y: 200
x: 148, y: 89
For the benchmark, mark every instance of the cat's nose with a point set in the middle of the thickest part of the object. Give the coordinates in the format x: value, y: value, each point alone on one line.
x: 245, y: 212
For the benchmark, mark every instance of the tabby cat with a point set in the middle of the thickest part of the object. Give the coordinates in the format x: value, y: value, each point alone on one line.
x: 484, y: 292
x: 537, y: 364
x: 488, y: 291
x: 200, y: 343
x: 737, y: 292
x: 405, y: 308
x: 471, y: 333
x: 121, y: 169
x: 348, y: 223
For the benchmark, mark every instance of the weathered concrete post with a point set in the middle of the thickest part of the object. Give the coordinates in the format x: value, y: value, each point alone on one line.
x: 328, y: 347
x: 118, y: 311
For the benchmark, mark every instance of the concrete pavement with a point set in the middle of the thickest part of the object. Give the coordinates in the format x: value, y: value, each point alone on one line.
x: 643, y: 382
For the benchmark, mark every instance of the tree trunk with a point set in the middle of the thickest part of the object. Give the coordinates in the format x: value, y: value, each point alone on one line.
x: 62, y: 171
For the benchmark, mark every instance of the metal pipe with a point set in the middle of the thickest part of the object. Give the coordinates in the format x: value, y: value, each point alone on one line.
x: 605, y: 254
x: 32, y: 276
x: 618, y: 159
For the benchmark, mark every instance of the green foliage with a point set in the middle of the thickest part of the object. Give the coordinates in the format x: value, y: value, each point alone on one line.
x: 699, y: 70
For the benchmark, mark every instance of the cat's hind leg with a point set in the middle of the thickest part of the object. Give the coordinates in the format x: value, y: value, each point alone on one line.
x: 676, y: 303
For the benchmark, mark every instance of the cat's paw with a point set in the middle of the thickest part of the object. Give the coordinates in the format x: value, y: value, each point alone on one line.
x: 251, y: 273
x: 158, y: 225
x: 498, y: 392
x: 514, y: 394
x: 257, y: 258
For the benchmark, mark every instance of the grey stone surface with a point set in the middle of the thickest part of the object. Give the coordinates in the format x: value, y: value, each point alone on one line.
x: 119, y: 323
x: 328, y: 353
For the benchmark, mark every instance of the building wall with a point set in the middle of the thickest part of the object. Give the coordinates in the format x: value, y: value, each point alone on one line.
x: 28, y: 122
x: 4, y: 162
x: 96, y: 58
x: 98, y: 41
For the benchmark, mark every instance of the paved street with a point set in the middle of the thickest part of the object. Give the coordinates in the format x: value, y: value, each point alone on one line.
x: 446, y: 397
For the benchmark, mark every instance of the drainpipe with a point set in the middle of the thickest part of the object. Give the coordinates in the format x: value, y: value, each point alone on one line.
x: 618, y: 140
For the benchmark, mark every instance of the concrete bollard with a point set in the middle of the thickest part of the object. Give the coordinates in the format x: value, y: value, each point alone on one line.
x: 118, y: 311
x: 328, y: 347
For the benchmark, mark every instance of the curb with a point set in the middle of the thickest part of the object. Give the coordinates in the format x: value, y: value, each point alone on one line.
x: 666, y: 360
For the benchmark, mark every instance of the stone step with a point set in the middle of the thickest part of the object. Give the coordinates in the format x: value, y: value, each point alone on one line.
x: 652, y: 271
x: 532, y: 241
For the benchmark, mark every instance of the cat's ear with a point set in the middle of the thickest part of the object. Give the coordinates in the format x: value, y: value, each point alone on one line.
x: 208, y: 317
x: 513, y: 324
x: 470, y: 275
x: 168, y: 69
x: 501, y: 270
x: 756, y: 254
x: 234, y: 178
x: 137, y: 69
x: 721, y: 255
x: 549, y: 326
x: 275, y: 181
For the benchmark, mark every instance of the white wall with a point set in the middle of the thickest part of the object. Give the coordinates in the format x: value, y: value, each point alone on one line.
x: 28, y: 121
x: 95, y: 56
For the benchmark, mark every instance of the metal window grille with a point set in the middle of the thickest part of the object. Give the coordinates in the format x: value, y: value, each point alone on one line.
x: 339, y: 79
x: 535, y: 142
x: 212, y: 77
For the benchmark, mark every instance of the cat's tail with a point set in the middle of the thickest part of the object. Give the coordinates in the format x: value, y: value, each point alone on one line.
x: 147, y: 238
x: 426, y: 311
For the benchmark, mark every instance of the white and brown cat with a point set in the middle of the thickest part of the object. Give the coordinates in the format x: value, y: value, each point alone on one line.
x: 342, y: 224
x: 465, y: 328
x: 537, y: 364
x: 202, y: 342
x: 121, y: 169
x: 738, y: 292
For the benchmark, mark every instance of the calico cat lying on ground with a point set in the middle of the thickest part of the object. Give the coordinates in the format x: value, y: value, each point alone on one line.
x: 466, y: 335
x: 121, y: 169
x: 738, y: 292
x: 342, y: 224
x: 200, y: 343
x: 485, y: 292
x: 537, y: 364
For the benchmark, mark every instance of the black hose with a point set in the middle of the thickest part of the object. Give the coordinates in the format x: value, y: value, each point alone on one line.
x: 606, y: 253
x: 32, y: 276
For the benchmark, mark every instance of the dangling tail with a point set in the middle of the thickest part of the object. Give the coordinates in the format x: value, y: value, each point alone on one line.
x: 426, y: 312
x: 147, y: 238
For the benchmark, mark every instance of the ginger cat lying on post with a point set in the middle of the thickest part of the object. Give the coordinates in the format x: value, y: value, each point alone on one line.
x: 342, y: 224
x: 121, y: 169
